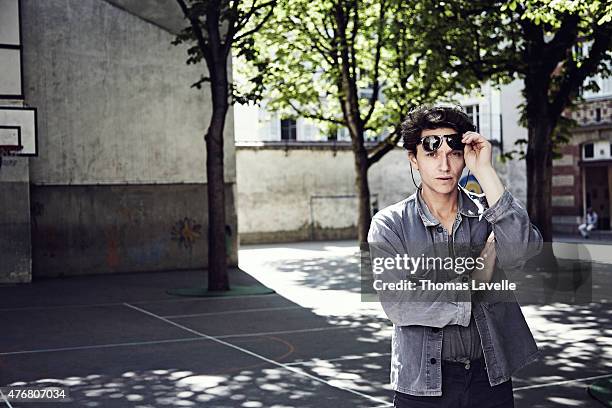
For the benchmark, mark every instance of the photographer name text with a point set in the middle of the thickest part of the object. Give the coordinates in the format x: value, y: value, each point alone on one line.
x: 504, y: 284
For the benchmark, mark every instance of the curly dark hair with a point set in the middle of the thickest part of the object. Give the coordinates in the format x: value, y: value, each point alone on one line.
x: 432, y: 117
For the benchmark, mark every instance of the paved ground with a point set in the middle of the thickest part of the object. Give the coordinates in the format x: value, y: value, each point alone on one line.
x: 596, y: 237
x: 121, y: 341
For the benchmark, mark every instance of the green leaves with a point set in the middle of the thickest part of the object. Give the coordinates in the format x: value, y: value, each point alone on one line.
x: 218, y: 26
x: 362, y: 64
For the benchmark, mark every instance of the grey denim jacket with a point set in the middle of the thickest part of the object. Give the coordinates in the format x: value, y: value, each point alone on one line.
x: 407, y: 227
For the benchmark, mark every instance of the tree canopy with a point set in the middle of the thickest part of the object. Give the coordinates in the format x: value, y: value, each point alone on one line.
x: 325, y: 53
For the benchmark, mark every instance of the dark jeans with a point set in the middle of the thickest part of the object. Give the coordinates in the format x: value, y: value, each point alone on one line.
x: 462, y: 388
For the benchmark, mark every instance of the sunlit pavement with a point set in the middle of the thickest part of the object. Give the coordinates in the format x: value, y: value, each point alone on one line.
x: 121, y: 341
x: 576, y: 340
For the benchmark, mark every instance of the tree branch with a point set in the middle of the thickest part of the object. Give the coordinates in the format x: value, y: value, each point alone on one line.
x: 375, y: 79
x: 197, y: 31
x: 382, y: 148
x: 234, y: 22
x: 325, y: 52
x: 556, y: 49
x: 353, y: 54
x: 317, y: 116
x: 264, y: 19
x: 575, y: 76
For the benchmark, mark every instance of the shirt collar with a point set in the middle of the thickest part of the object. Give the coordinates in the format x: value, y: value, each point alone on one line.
x: 468, y: 205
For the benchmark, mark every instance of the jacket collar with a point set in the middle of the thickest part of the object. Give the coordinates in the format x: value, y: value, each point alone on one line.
x: 469, y: 205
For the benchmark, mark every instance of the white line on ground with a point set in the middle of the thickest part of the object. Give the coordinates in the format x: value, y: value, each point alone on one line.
x: 14, y: 309
x: 11, y: 309
x: 274, y: 362
x: 5, y: 399
x: 264, y: 309
x: 95, y: 346
x: 529, y: 387
x: 140, y: 343
x: 315, y: 329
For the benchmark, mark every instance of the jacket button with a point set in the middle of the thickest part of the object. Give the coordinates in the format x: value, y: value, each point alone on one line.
x: 464, y: 279
x: 435, y: 330
x: 440, y: 229
x: 433, y: 361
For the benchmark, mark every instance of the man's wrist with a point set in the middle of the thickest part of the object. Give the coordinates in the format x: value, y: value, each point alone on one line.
x: 490, y: 183
x: 481, y: 172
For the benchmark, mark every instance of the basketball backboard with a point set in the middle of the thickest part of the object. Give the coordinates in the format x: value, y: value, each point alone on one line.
x: 18, y: 130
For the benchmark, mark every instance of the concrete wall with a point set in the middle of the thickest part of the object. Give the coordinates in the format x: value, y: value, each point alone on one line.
x: 308, y: 192
x: 122, y: 155
x: 118, y: 228
x: 113, y: 97
x: 300, y: 194
x: 15, y: 239
x: 15, y: 235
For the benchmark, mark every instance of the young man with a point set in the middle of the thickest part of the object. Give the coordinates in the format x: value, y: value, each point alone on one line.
x: 451, y: 351
x: 590, y: 223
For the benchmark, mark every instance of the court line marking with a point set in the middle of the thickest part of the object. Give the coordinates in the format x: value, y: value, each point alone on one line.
x: 101, y: 346
x: 314, y: 329
x: 529, y: 387
x: 140, y: 343
x: 246, y: 351
x: 138, y: 302
x: 5, y: 399
x: 344, y: 358
x: 263, y: 309
x: 14, y: 309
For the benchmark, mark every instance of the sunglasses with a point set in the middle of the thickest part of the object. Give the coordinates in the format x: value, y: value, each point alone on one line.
x: 432, y: 143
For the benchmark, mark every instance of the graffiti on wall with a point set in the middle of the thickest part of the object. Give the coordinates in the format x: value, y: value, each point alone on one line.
x: 132, y: 210
x: 186, y: 232
x: 150, y: 253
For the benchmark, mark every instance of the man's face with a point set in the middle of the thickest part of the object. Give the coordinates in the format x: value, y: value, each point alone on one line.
x: 440, y: 170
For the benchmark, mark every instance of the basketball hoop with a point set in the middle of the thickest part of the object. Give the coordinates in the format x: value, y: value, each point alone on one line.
x: 18, y: 135
x: 8, y: 150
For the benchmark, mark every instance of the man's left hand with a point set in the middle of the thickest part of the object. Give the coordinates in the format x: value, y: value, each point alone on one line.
x: 478, y: 151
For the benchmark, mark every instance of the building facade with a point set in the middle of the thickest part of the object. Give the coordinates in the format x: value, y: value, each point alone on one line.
x: 119, y: 180
x: 582, y: 177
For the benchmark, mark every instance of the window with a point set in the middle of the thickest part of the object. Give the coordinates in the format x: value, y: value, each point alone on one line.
x: 288, y: 129
x: 598, y: 115
x: 473, y: 112
x: 588, y: 151
x: 10, y: 51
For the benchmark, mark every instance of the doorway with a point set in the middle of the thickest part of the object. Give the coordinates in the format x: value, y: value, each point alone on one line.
x: 597, y: 193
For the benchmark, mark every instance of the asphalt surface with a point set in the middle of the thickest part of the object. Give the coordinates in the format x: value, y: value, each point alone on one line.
x: 121, y: 341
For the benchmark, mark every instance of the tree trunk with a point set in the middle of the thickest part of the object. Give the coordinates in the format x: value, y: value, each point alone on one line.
x: 539, y: 185
x: 217, y: 252
x: 540, y: 127
x: 539, y: 176
x: 363, y: 191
